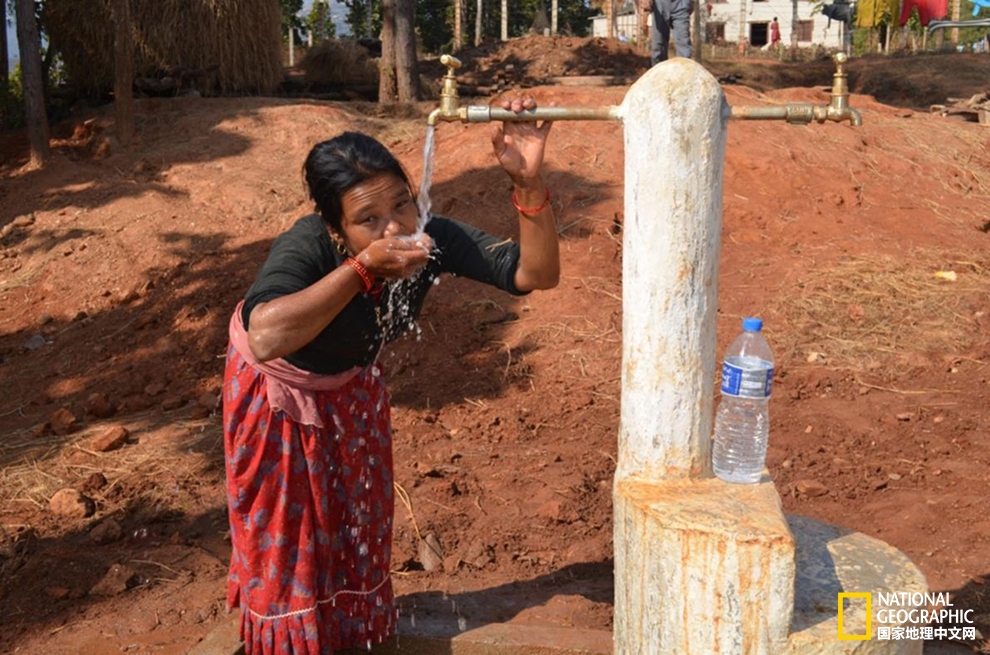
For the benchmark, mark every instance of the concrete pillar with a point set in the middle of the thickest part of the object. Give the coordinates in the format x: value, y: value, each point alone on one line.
x: 675, y: 151
x: 701, y: 566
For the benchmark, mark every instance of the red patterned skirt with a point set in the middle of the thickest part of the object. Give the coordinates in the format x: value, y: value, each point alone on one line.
x: 310, y: 516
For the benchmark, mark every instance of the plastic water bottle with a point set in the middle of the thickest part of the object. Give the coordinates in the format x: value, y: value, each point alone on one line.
x: 742, y: 421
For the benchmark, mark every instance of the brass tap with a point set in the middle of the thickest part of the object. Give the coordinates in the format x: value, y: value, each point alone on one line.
x: 450, y: 110
x: 802, y: 113
x: 838, y: 109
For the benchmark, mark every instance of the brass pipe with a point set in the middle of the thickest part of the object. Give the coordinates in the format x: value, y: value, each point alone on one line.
x: 486, y: 114
x: 450, y: 111
x: 800, y: 113
x: 795, y: 113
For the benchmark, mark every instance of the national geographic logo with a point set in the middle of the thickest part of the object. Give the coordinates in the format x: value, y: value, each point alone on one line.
x: 850, y: 595
x: 903, y: 615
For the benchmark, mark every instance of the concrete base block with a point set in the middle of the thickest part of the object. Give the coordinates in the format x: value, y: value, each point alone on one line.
x: 707, y: 567
x: 831, y: 560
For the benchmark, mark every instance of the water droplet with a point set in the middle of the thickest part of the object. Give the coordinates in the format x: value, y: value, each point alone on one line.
x: 363, y: 550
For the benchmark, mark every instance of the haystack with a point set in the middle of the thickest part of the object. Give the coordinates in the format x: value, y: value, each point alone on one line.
x: 237, y: 40
x: 339, y: 62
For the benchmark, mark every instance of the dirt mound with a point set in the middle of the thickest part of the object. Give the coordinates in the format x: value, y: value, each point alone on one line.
x: 538, y: 60
x: 119, y: 270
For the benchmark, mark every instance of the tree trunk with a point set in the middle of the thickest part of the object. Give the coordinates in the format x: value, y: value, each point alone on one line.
x: 742, y: 27
x: 554, y: 9
x: 477, y: 25
x: 954, y: 32
x: 4, y: 62
x: 292, y: 46
x: 458, y: 28
x: 609, y: 19
x: 387, y: 89
x: 505, y: 20
x: 644, y: 32
x: 123, y: 93
x: 795, y: 23
x: 406, y: 68
x: 29, y: 46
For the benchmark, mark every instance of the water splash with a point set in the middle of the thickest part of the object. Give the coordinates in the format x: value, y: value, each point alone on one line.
x: 398, y: 313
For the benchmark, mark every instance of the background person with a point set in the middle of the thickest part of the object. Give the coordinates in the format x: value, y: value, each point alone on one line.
x: 669, y: 15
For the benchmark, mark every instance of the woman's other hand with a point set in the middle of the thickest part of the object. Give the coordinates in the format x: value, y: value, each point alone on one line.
x: 519, y: 146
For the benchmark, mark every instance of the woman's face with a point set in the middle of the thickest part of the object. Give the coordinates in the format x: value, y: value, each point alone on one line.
x: 379, y: 207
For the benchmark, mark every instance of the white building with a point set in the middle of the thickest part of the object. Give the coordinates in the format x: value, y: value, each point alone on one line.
x: 721, y: 20
x: 625, y: 25
x: 728, y: 21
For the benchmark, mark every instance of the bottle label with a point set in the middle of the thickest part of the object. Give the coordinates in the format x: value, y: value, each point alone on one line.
x: 746, y: 382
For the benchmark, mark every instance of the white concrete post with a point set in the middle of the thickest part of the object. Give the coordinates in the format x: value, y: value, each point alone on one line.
x: 675, y: 152
x: 701, y: 566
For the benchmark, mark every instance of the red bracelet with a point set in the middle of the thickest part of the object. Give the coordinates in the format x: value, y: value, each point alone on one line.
x: 367, y: 279
x: 529, y: 211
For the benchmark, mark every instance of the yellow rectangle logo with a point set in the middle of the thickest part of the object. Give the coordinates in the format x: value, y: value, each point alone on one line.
x: 843, y: 595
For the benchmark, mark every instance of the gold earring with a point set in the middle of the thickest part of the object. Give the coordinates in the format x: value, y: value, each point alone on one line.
x: 340, y: 248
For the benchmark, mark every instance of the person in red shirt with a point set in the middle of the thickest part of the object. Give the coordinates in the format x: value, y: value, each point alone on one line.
x: 774, y: 33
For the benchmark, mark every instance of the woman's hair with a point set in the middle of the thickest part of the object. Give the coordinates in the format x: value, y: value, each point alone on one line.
x: 333, y: 167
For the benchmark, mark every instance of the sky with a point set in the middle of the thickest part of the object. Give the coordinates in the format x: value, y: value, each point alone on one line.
x: 337, y: 10
x: 11, y: 42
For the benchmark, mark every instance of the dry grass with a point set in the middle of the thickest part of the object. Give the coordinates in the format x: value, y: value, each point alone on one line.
x: 241, y: 38
x: 35, y: 468
x: 336, y: 62
x: 863, y: 311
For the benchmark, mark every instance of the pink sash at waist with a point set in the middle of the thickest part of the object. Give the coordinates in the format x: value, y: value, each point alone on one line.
x: 290, y: 389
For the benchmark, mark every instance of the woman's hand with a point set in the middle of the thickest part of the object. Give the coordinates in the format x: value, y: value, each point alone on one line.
x: 394, y: 258
x: 519, y: 147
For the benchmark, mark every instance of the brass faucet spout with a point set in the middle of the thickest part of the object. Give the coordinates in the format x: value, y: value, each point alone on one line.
x: 448, y: 110
x: 802, y: 113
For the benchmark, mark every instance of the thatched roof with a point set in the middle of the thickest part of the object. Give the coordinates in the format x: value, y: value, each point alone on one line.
x: 238, y: 41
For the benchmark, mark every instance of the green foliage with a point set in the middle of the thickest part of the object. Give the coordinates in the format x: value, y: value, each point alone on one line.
x: 364, y: 17
x: 573, y: 17
x: 319, y: 21
x: 435, y: 19
x: 435, y: 24
x: 12, y: 101
x: 290, y: 17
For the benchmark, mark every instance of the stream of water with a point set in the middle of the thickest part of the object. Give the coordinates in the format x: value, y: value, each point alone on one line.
x: 423, y: 202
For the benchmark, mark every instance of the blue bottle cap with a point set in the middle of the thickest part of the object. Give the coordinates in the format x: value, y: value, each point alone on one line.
x: 752, y: 324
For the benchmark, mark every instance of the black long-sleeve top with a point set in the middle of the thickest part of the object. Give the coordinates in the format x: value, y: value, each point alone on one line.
x: 305, y: 253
